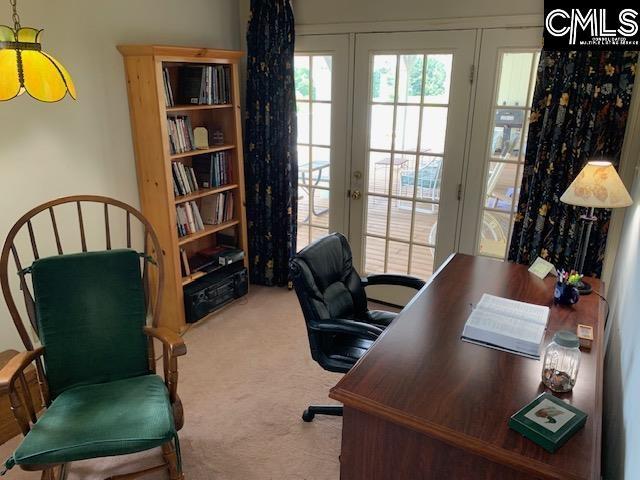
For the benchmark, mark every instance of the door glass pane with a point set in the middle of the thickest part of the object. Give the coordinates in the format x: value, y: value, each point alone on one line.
x: 374, y: 254
x: 379, y: 166
x: 301, y: 73
x: 398, y: 257
x: 407, y: 121
x: 400, y: 221
x: 438, y: 81
x: 314, y: 145
x: 404, y: 179
x: 429, y: 178
x: 493, y: 238
x: 410, y: 78
x: 422, y: 261
x: 383, y: 79
x: 426, y: 223
x: 434, y: 129
x: 322, y: 77
x: 321, y: 124
x: 515, y: 72
x: 501, y: 185
x: 303, y: 122
x: 381, y: 126
x: 377, y: 215
x: 402, y: 183
x: 507, y: 132
x: 320, y: 207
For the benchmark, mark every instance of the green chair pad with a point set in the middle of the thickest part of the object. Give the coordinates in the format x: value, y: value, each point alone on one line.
x: 115, y: 418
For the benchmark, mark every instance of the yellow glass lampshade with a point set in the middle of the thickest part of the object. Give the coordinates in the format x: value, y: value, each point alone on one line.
x: 599, y: 186
x: 24, y: 67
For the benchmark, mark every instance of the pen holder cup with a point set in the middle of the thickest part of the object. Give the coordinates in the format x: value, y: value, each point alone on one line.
x: 565, y: 294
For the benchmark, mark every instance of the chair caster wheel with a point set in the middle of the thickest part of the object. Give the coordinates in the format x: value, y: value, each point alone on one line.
x: 307, y: 416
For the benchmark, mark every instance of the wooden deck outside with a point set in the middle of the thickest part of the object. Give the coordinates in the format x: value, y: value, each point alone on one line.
x: 422, y: 254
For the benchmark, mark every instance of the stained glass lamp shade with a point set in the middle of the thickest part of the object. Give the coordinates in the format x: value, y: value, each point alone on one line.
x: 24, y: 67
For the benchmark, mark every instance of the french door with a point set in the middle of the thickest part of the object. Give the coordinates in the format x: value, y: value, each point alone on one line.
x: 412, y: 96
x: 322, y: 78
x: 407, y: 151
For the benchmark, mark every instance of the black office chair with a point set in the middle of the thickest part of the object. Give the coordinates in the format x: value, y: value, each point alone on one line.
x: 331, y: 293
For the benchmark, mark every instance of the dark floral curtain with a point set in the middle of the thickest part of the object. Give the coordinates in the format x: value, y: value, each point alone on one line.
x: 270, y: 141
x: 579, y: 113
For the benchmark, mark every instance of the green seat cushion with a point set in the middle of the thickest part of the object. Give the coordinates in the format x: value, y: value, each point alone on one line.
x: 114, y: 418
x: 91, y: 312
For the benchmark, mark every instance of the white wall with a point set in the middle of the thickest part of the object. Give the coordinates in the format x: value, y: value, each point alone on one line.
x: 341, y: 11
x: 51, y: 150
x: 622, y: 362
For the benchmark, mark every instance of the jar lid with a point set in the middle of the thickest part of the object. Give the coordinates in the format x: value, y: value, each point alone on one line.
x: 566, y: 339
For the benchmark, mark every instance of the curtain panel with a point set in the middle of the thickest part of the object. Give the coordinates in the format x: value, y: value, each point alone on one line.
x: 270, y: 142
x: 579, y: 113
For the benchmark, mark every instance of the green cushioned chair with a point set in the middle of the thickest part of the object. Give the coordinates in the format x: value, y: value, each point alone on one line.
x: 96, y: 364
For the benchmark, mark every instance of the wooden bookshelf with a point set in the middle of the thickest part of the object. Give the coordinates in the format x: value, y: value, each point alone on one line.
x: 148, y: 108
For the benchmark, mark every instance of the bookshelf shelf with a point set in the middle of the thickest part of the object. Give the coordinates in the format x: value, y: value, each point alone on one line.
x: 155, y: 77
x: 220, y: 148
x: 203, y: 192
x: 190, y: 108
x: 208, y: 230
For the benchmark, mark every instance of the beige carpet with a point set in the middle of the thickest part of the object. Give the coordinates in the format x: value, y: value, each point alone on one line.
x: 245, y: 381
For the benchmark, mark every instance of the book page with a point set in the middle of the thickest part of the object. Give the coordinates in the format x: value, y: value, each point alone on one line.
x: 514, y: 309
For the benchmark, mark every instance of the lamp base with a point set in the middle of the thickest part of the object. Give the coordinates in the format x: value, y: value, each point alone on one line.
x: 583, y: 287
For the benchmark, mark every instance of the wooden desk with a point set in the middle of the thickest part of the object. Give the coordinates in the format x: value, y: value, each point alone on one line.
x: 422, y: 404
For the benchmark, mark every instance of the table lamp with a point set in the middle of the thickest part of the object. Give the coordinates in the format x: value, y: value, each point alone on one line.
x: 596, y: 186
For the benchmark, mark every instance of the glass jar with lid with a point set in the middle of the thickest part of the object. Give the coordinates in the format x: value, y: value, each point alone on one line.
x: 561, y: 362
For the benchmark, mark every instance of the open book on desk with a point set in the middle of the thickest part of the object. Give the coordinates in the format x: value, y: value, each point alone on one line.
x: 508, y: 325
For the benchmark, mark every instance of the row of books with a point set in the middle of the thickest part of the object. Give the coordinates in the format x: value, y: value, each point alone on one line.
x: 168, y: 93
x: 213, y: 210
x: 184, y: 179
x: 213, y: 170
x: 180, y: 134
x: 199, y: 85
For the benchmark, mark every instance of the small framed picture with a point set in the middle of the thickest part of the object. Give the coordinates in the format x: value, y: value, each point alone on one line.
x: 548, y: 421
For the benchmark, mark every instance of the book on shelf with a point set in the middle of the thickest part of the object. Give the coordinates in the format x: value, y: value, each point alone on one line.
x: 184, y: 179
x: 212, y: 170
x: 218, y: 208
x: 204, y: 85
x: 180, y: 134
x: 507, y: 325
x: 214, y: 210
x: 168, y: 92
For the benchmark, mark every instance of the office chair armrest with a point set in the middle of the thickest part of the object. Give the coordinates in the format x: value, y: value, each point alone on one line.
x: 15, y: 367
x: 391, y: 279
x: 349, y: 327
x: 169, y: 339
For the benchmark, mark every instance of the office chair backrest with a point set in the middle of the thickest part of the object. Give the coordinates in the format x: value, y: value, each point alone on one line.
x: 327, y: 285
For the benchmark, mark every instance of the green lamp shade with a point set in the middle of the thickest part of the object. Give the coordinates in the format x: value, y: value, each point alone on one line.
x: 24, y: 67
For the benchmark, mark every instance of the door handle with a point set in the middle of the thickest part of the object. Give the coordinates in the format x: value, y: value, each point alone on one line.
x: 355, y: 194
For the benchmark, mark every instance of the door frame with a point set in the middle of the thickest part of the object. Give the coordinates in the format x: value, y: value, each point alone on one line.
x: 339, y: 46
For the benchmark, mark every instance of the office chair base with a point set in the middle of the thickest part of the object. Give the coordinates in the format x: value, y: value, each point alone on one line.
x: 309, y: 413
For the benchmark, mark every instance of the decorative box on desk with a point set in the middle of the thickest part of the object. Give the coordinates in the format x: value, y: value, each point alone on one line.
x: 158, y: 78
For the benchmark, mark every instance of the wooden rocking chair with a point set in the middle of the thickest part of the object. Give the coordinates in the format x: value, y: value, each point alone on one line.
x: 95, y: 361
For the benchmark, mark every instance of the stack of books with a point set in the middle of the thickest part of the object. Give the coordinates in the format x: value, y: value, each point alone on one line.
x: 180, y: 134
x: 213, y: 210
x: 188, y: 219
x: 204, y: 85
x: 212, y: 170
x: 168, y: 93
x: 184, y: 179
